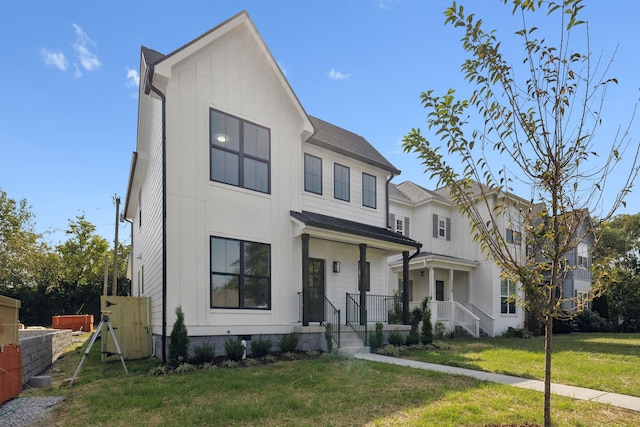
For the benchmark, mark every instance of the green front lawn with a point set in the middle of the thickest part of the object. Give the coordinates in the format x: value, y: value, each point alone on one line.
x: 608, y: 362
x: 320, y: 391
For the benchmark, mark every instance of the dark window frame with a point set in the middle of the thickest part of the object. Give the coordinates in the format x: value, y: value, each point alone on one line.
x: 240, y: 152
x: 240, y: 274
x: 340, y: 184
x: 368, y: 193
x: 308, y: 184
x: 507, y: 301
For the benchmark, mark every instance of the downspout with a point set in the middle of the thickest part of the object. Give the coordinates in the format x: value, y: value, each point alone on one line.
x: 131, y: 252
x: 386, y: 199
x: 150, y: 86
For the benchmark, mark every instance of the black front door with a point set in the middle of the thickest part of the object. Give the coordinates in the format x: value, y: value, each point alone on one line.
x: 314, y: 294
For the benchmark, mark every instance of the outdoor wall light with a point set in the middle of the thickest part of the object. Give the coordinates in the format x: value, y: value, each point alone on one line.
x: 421, y: 273
x: 336, y: 266
x: 221, y: 138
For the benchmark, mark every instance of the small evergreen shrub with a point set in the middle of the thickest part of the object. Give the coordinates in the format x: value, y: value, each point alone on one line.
x: 376, y: 339
x: 203, y: 353
x: 427, y: 327
x: 179, y: 340
x: 440, y: 330
x: 260, y: 347
x: 328, y: 331
x: 234, y: 349
x: 396, y: 338
x: 590, y: 321
x: 289, y: 342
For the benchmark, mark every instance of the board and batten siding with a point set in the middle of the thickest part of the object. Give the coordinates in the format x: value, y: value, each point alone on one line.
x: 352, y: 210
x: 230, y: 75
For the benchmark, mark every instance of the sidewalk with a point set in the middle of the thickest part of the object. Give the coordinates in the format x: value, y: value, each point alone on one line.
x: 619, y: 400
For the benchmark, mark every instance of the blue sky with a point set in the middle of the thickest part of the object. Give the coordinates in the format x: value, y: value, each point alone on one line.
x: 68, y: 104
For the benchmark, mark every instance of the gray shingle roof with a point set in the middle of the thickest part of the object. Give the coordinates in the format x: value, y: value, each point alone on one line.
x: 339, y: 140
x: 351, y: 227
x: 413, y: 193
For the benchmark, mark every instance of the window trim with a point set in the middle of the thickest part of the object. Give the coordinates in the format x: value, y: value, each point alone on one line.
x: 513, y: 237
x: 241, y: 276
x: 504, y: 305
x: 307, y: 183
x: 240, y: 152
x: 374, y: 192
x: 335, y: 182
x: 399, y: 221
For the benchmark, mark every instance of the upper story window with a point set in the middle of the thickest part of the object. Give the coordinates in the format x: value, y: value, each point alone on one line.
x: 583, y: 256
x: 341, y: 180
x: 312, y: 174
x: 441, y: 227
x: 507, y: 297
x: 240, y: 274
x: 240, y: 152
x: 513, y: 237
x: 400, y: 226
x: 368, y: 190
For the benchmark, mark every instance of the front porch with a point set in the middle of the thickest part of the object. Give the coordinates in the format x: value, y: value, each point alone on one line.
x: 446, y: 282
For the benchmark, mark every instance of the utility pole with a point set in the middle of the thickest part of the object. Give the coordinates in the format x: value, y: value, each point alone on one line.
x: 114, y: 286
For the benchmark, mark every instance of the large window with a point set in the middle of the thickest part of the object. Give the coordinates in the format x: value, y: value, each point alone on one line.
x: 507, y: 297
x: 341, y: 182
x: 240, y: 274
x: 368, y: 190
x: 312, y: 174
x: 240, y: 152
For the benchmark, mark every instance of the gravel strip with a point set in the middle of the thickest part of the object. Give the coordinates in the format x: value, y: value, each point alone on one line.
x: 26, y: 411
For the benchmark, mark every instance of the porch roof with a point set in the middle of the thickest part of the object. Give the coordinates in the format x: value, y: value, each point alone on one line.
x: 426, y: 259
x: 345, y: 231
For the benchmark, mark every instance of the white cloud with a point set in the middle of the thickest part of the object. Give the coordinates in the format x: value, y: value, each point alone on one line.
x: 386, y: 4
x: 55, y: 59
x: 133, y: 78
x: 82, y: 46
x: 337, y: 75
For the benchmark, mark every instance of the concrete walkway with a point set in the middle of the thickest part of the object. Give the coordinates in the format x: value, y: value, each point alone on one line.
x: 620, y: 400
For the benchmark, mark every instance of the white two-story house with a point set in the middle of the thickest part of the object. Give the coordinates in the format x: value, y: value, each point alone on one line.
x: 464, y: 285
x: 252, y: 216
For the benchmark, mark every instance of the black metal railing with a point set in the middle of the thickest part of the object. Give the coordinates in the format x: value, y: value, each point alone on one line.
x: 332, y: 316
x: 353, y: 318
x: 382, y: 308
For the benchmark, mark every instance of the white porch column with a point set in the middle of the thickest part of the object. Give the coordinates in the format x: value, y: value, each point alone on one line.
x: 432, y: 284
x: 451, y: 301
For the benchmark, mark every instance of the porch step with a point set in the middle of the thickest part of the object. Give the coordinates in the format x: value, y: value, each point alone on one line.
x: 351, y: 344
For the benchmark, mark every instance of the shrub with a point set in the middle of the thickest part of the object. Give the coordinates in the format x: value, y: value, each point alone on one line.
x: 415, y: 318
x: 440, y: 329
x: 234, y: 349
x: 590, y: 321
x: 179, y: 342
x: 289, y: 342
x: 396, y: 338
x: 376, y: 339
x: 185, y: 368
x: 260, y: 347
x: 203, y: 353
x: 427, y: 327
x: 516, y: 333
x: 328, y: 331
x: 413, y: 338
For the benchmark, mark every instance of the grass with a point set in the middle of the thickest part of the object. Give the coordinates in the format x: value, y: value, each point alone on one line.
x: 321, y: 391
x: 608, y: 362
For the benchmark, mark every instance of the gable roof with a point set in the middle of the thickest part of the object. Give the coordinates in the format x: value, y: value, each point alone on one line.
x: 342, y: 141
x: 162, y: 64
x: 410, y: 192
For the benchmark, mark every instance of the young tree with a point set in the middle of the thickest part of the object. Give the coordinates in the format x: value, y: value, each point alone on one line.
x: 543, y: 127
x: 179, y: 341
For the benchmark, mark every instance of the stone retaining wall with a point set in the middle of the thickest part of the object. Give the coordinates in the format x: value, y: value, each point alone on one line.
x: 40, y: 348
